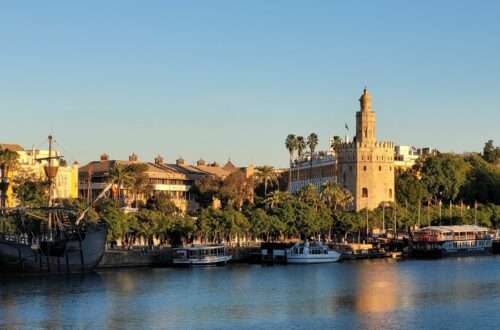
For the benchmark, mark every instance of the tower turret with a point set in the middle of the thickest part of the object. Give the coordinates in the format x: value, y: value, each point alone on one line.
x: 365, y: 120
x: 365, y: 101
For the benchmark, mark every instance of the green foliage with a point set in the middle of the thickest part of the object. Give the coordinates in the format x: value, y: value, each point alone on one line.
x: 444, y: 175
x: 266, y: 176
x: 483, y: 182
x: 31, y: 192
x: 491, y: 154
x: 236, y: 190
x: 206, y: 190
x: 118, y: 222
x: 410, y: 189
x: 163, y: 203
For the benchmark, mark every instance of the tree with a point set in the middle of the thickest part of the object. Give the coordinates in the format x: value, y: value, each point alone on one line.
x: 207, y: 190
x: 410, y: 189
x: 335, y: 197
x: 237, y: 189
x: 301, y: 146
x: 443, y: 175
x: 118, y: 222
x: 31, y: 192
x: 291, y: 146
x: 139, y: 181
x: 312, y: 143
x: 266, y: 175
x: 276, y: 199
x: 8, y: 163
x: 161, y: 202
x: 121, y: 176
x: 491, y: 153
x: 310, y: 196
x: 483, y: 182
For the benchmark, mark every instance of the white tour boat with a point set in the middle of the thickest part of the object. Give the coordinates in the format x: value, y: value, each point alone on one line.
x: 202, y: 255
x: 311, y: 253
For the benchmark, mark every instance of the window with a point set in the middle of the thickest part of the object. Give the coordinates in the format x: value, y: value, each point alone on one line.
x: 364, y: 168
x: 390, y: 193
x: 380, y: 168
x: 364, y: 192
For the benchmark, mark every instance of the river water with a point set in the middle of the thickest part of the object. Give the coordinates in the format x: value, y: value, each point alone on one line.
x: 461, y: 293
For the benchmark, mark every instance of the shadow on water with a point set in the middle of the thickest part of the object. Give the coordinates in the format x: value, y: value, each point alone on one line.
x: 43, y: 301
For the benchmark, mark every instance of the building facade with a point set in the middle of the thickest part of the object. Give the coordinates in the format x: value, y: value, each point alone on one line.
x: 317, y: 171
x: 174, y: 179
x: 365, y: 165
x: 31, y: 165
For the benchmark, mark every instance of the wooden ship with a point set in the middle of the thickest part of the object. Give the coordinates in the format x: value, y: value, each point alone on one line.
x: 51, y: 239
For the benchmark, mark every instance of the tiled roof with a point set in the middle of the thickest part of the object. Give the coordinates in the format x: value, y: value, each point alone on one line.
x: 11, y: 147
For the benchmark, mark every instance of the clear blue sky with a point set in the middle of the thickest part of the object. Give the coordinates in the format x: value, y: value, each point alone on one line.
x: 219, y: 79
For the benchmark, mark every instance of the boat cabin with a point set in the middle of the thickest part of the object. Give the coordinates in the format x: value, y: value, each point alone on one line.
x: 451, y: 233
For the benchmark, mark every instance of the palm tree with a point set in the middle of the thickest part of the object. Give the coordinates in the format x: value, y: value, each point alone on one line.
x: 8, y: 163
x: 276, y: 198
x: 122, y: 176
x: 266, y: 175
x: 301, y: 146
x: 335, y: 197
x: 291, y: 145
x: 139, y: 183
x: 312, y: 143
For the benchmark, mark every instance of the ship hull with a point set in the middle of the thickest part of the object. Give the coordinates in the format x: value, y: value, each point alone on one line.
x: 77, y: 256
x: 447, y: 249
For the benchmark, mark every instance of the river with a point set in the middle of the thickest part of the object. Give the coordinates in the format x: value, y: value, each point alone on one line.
x: 461, y: 293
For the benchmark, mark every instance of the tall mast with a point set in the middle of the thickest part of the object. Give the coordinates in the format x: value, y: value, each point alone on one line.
x: 49, y: 172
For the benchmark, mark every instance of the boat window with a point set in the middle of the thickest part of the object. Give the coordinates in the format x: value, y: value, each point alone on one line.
x: 301, y: 250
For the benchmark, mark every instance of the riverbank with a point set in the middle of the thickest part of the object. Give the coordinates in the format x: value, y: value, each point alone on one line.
x: 136, y: 258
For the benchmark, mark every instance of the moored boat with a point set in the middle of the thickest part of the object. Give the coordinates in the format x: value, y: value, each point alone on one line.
x: 50, y: 239
x: 201, y: 255
x: 311, y: 252
x: 442, y: 241
x: 71, y: 251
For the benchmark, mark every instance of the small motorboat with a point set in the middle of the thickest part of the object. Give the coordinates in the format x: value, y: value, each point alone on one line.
x: 311, y: 253
x: 201, y: 255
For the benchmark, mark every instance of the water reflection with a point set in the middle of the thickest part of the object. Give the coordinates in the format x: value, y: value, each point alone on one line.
x: 371, y: 294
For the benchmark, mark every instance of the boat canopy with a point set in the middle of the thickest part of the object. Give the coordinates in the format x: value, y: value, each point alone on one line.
x: 453, y: 229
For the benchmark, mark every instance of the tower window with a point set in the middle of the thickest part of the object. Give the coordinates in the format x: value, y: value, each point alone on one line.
x: 390, y: 193
x: 380, y: 168
x: 364, y: 168
x: 364, y: 192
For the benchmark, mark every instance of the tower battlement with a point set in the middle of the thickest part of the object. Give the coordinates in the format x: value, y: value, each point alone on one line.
x: 366, y: 166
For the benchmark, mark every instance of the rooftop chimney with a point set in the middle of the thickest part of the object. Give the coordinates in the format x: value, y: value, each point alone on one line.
x: 159, y: 160
x: 200, y: 162
x: 104, y: 156
x: 180, y: 161
x: 133, y: 157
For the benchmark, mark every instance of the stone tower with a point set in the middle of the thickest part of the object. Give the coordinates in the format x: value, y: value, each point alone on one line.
x: 365, y: 165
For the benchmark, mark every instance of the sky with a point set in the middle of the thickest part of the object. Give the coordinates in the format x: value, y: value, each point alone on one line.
x: 223, y: 80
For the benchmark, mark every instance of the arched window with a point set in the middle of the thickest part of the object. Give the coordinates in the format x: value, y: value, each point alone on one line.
x: 380, y: 168
x: 364, y: 168
x: 390, y: 193
x: 364, y: 192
